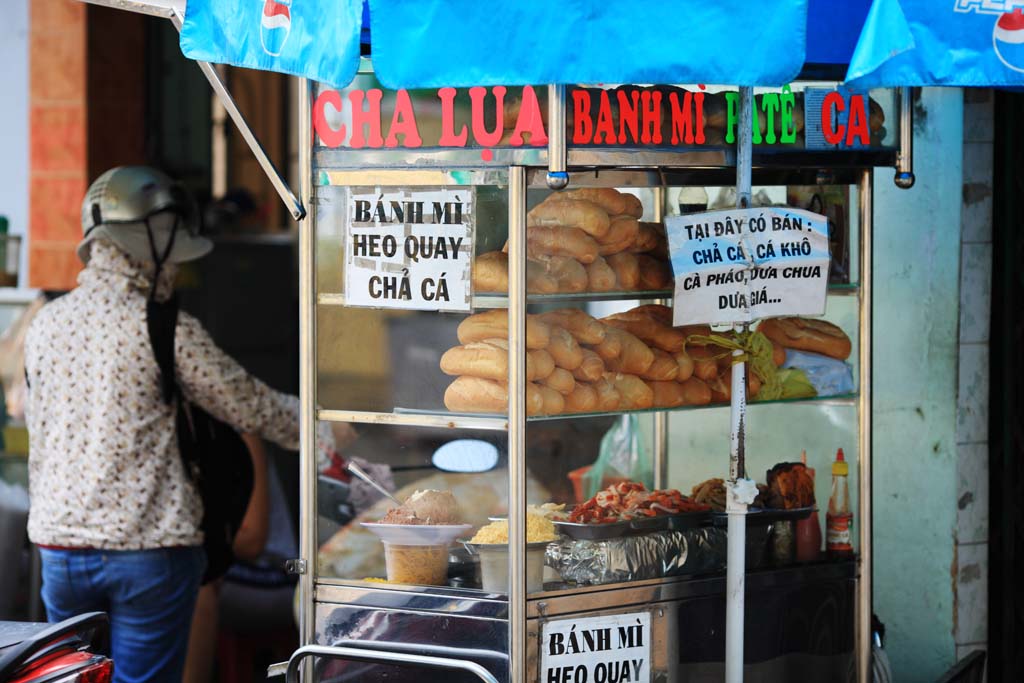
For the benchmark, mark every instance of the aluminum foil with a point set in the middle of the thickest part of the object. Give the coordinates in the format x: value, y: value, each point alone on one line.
x: 650, y: 556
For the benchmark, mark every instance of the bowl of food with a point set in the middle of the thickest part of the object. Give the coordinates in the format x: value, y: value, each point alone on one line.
x: 490, y: 544
x: 416, y: 537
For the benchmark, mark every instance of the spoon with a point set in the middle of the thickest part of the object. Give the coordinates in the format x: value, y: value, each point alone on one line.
x: 358, y: 471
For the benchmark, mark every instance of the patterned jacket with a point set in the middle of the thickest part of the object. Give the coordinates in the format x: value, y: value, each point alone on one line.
x: 104, y: 467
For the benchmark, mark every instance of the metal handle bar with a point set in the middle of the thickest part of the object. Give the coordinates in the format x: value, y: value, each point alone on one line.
x: 356, y: 654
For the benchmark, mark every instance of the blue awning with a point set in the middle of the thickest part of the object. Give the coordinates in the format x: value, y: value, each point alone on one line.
x: 433, y: 43
x: 953, y: 43
x: 422, y: 43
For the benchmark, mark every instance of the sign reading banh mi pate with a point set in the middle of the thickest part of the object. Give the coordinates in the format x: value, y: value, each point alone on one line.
x: 614, y: 648
x: 409, y: 248
x: 740, y: 265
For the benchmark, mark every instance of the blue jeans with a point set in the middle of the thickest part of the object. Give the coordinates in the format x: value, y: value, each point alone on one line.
x: 149, y: 595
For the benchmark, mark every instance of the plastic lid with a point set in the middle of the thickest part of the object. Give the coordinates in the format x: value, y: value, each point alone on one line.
x: 840, y: 467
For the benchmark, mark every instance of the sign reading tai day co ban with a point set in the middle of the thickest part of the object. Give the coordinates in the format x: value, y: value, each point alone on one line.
x: 409, y: 249
x: 614, y: 648
x: 740, y: 265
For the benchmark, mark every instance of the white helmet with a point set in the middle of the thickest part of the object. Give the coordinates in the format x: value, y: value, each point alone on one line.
x: 145, y: 213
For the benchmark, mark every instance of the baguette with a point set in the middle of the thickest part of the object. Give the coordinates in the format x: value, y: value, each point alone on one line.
x: 634, y: 394
x: 543, y: 363
x: 621, y: 235
x: 488, y: 359
x: 649, y: 330
x: 583, y: 399
x: 647, y: 238
x: 569, y: 273
x: 721, y: 386
x: 484, y: 359
x: 685, y: 363
x: 627, y: 270
x: 634, y: 207
x: 584, y: 327
x: 635, y: 358
x: 553, y: 403
x: 663, y: 369
x: 570, y: 213
x: 591, y: 369
x: 608, y: 198
x: 553, y: 240
x: 778, y: 354
x: 808, y: 334
x: 478, y: 395
x: 696, y: 392
x: 654, y: 274
x: 610, y: 347
x: 600, y: 276
x: 608, y: 397
x: 561, y: 380
x: 494, y: 324
x: 668, y: 394
x: 490, y: 274
x: 705, y: 365
x: 564, y: 349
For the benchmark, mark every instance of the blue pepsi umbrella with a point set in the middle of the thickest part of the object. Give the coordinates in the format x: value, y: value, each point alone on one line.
x: 430, y: 43
x: 960, y: 43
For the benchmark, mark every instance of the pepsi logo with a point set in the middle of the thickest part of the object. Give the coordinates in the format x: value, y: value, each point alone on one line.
x: 1008, y: 39
x: 275, y: 25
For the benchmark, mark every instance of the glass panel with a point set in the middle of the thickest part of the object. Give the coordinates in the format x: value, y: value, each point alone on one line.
x: 390, y: 361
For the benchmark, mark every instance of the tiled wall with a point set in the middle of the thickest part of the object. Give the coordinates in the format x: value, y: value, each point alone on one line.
x: 58, y: 174
x: 970, y: 579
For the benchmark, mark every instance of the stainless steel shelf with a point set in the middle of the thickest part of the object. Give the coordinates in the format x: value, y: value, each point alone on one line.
x: 413, y: 417
x: 487, y: 300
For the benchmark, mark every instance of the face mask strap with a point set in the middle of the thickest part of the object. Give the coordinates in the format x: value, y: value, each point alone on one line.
x: 160, y: 259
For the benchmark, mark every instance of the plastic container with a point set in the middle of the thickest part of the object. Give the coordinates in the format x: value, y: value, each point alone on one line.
x: 494, y: 566
x: 420, y: 565
x: 839, y: 519
x: 417, y: 554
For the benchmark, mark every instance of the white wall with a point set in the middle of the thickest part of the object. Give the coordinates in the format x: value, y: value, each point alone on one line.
x: 14, y: 115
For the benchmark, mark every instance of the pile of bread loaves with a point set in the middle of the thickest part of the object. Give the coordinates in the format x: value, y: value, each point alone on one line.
x: 627, y: 361
x: 584, y: 240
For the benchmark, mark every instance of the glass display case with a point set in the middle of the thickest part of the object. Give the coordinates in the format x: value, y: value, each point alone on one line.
x: 529, y: 295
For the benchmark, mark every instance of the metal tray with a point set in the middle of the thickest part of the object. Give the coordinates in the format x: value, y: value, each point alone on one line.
x: 765, y: 516
x: 633, y: 527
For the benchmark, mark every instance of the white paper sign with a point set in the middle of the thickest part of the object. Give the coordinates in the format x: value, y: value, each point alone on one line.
x: 612, y: 648
x: 740, y: 265
x: 409, y: 248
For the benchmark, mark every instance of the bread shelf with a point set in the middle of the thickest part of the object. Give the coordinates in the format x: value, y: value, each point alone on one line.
x: 485, y: 301
x: 443, y: 419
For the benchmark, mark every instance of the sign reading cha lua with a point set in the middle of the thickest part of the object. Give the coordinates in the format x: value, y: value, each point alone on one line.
x: 614, y: 648
x: 409, y: 249
x: 740, y: 265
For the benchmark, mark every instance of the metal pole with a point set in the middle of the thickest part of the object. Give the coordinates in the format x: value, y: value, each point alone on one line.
x: 905, y: 158
x: 517, y: 423
x: 864, y: 492
x: 307, y: 378
x: 295, y: 207
x: 661, y: 421
x: 735, y: 579
x: 558, y: 177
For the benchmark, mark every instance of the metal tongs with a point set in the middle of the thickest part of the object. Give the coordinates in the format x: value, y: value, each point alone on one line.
x: 358, y: 471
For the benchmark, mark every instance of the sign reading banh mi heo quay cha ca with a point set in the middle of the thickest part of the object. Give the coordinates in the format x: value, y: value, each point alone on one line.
x: 409, y: 248
x: 627, y: 116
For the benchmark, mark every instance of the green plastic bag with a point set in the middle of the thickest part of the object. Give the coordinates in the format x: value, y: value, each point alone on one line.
x: 623, y: 454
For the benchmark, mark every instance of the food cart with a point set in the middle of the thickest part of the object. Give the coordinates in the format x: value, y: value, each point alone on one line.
x: 485, y: 193
x: 408, y: 197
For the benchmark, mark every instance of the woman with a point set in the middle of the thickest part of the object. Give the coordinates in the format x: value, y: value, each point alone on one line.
x: 116, y: 518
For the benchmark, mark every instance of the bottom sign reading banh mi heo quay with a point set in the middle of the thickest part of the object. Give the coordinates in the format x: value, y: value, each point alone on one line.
x: 614, y: 648
x: 409, y: 248
x: 741, y: 265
